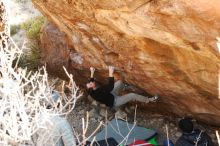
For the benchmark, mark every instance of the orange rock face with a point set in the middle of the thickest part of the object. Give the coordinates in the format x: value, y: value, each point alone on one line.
x: 165, y: 47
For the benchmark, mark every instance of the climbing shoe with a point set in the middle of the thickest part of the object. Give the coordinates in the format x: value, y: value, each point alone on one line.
x: 154, y: 98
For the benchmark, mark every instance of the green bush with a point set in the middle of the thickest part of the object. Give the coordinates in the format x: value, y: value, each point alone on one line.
x: 14, y: 29
x: 30, y: 59
x: 33, y: 27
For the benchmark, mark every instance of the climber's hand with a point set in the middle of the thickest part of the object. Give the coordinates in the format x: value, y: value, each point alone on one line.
x: 111, y: 71
x: 92, y: 71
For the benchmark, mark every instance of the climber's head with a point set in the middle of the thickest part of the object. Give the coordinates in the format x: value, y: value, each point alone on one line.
x: 186, y: 125
x: 91, y: 85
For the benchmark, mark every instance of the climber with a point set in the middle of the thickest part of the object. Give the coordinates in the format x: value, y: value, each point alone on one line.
x: 108, y: 94
x: 191, y: 136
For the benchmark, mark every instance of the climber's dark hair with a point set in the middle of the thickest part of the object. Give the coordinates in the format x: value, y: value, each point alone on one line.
x: 186, y: 125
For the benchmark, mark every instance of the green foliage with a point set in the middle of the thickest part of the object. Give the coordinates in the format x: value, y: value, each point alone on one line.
x: 14, y: 29
x: 31, y: 59
x: 33, y: 27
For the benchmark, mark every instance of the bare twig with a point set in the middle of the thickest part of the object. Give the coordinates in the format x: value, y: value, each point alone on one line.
x: 24, y: 98
x: 167, y: 132
x: 198, y: 138
x: 218, y: 138
x: 93, y: 133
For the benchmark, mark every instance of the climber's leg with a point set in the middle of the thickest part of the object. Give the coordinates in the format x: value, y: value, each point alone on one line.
x: 121, y: 100
x: 117, y: 87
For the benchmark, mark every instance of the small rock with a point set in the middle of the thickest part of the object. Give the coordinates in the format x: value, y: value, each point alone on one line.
x: 172, y: 125
x: 178, y: 134
x: 101, y: 118
x: 127, y: 110
x: 111, y: 117
x: 120, y: 114
x: 160, y: 120
x: 132, y: 108
x: 102, y: 112
x: 151, y: 122
x: 90, y: 98
x: 81, y: 112
x: 93, y: 119
x: 92, y: 112
x: 94, y: 103
x: 213, y: 136
x: 142, y: 123
x: 102, y: 105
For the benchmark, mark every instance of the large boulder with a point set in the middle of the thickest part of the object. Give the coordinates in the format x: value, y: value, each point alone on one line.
x: 165, y: 47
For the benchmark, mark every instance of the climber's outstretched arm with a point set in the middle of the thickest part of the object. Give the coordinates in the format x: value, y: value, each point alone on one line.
x: 92, y: 71
x: 111, y: 71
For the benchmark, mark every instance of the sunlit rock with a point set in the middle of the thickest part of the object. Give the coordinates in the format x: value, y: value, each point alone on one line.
x: 165, y: 47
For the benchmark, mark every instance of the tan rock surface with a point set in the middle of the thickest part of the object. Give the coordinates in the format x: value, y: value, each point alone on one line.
x: 166, y: 47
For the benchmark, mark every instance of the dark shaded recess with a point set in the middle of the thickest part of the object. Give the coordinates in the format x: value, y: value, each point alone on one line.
x: 194, y: 46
